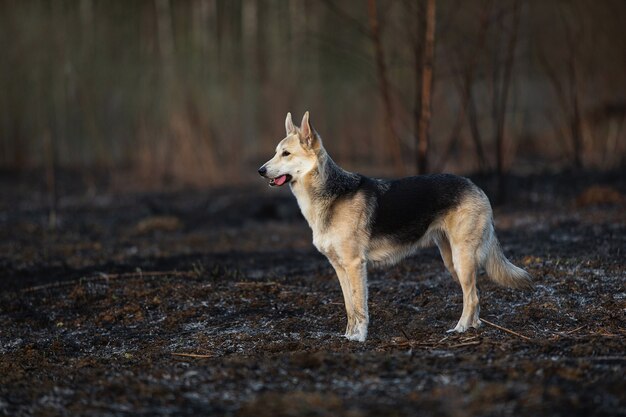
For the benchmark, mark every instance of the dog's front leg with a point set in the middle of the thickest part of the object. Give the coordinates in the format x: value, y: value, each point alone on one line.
x: 347, y: 294
x: 356, y: 271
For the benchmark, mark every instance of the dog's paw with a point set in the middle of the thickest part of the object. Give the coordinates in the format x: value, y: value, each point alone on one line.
x: 462, y: 327
x: 356, y: 337
x: 358, y: 332
x: 458, y: 329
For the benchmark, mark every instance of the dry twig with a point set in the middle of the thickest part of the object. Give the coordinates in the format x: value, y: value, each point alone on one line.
x: 253, y: 284
x: 569, y: 332
x: 475, y: 342
x: 504, y: 329
x: 575, y: 330
x: 193, y: 355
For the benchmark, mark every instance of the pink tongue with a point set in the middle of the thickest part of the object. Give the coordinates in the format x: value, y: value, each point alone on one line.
x: 280, y: 180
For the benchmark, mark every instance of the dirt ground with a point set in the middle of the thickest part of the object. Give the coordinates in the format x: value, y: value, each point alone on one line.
x: 97, y: 316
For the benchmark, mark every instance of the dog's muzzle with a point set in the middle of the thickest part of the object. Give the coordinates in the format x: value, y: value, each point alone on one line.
x: 275, y: 182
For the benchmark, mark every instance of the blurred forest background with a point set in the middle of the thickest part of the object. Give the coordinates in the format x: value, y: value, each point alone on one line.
x: 158, y: 93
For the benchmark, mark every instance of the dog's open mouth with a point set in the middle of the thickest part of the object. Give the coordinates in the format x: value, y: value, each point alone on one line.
x: 281, y: 180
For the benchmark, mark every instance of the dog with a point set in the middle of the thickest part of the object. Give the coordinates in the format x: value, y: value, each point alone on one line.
x: 357, y: 220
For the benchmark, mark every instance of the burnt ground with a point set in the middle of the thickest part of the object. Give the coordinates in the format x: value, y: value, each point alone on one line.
x: 95, y: 316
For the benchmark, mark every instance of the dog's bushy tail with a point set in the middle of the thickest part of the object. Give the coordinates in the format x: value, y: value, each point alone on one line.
x: 501, y: 270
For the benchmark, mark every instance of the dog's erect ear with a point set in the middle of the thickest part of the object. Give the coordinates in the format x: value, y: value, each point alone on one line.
x: 308, y: 138
x: 289, y: 126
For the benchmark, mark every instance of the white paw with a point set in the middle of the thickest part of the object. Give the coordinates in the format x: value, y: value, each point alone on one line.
x: 458, y: 329
x: 463, y: 326
x: 358, y: 333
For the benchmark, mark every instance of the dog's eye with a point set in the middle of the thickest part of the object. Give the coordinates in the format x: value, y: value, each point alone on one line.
x: 285, y: 153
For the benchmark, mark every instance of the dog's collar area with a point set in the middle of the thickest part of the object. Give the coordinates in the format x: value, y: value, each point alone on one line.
x: 280, y: 180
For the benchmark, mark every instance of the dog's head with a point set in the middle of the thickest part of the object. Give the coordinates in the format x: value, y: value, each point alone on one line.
x: 296, y: 154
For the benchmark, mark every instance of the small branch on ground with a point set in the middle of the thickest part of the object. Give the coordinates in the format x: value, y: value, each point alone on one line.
x: 476, y: 342
x: 570, y: 331
x: 504, y: 329
x: 406, y: 336
x: 193, y: 355
x: 253, y: 284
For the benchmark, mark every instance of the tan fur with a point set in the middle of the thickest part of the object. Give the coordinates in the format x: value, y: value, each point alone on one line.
x: 348, y: 220
x: 347, y: 256
x: 464, y: 232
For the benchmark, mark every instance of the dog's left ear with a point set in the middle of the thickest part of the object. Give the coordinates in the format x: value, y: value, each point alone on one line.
x: 308, y: 138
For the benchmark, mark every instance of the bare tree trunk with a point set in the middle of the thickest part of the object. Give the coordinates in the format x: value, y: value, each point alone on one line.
x: 467, y: 98
x: 426, y: 88
x: 249, y: 25
x: 576, y: 120
x: 169, y: 88
x: 383, y: 84
x: 204, y: 33
x: 576, y: 124
x: 469, y: 80
x: 570, y: 106
x: 500, y: 97
x: 504, y: 92
x: 475, y: 133
x: 467, y: 106
x: 166, y: 38
x: 420, y: 18
x: 50, y: 162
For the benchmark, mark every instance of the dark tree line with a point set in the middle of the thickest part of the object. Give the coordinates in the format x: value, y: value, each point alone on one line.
x: 194, y: 92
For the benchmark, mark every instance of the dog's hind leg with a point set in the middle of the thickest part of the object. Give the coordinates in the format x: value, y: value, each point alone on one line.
x: 466, y: 267
x: 465, y: 228
x: 445, y: 250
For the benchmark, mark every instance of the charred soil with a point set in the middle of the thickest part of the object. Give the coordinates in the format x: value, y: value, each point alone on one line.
x: 215, y: 302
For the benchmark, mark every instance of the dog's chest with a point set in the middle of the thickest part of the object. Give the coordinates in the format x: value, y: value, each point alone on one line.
x: 326, y: 242
x: 324, y: 238
x: 306, y: 205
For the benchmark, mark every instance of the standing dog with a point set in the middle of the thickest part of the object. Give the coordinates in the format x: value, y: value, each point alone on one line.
x: 356, y: 220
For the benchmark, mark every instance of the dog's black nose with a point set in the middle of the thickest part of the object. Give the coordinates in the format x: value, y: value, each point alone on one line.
x: 262, y: 171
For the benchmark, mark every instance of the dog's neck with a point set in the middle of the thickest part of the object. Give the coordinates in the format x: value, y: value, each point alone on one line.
x: 318, y: 189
